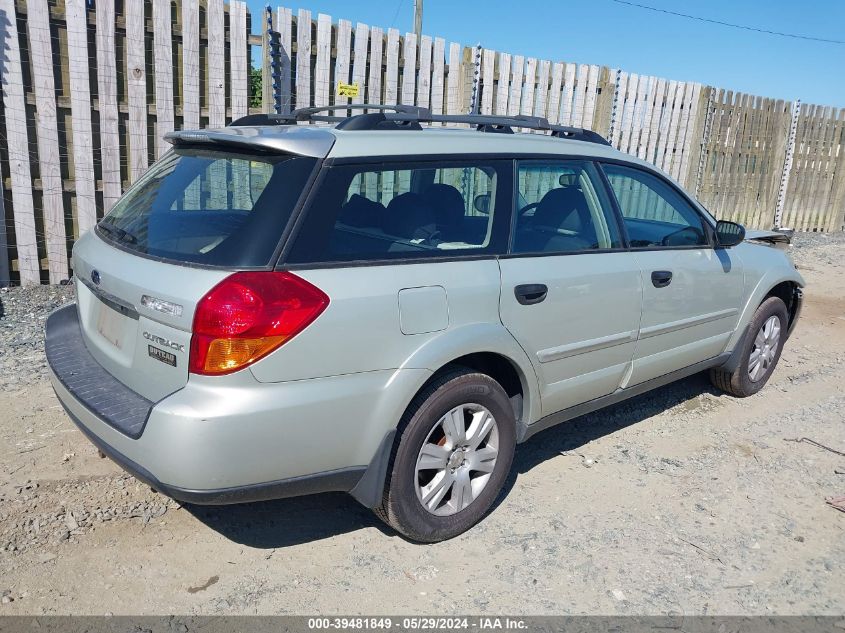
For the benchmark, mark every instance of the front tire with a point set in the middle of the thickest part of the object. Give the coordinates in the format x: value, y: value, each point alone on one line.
x: 454, y: 453
x: 760, y: 352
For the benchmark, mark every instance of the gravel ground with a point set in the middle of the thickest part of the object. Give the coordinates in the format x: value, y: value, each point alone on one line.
x: 680, y: 501
x: 22, y: 315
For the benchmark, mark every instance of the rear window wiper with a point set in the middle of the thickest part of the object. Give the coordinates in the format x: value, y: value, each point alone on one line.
x: 122, y: 234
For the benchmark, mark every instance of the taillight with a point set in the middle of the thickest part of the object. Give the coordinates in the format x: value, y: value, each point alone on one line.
x: 248, y: 315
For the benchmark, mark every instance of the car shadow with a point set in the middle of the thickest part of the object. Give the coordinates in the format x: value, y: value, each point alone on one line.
x: 286, y: 522
x: 572, y: 435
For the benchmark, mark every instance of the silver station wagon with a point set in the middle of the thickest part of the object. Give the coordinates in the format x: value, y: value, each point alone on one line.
x: 382, y: 305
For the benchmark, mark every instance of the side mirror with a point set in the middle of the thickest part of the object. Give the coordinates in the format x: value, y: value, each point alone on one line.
x: 729, y: 233
x: 482, y: 203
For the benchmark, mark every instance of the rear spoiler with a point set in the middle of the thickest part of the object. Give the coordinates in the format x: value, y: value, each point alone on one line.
x: 781, y: 238
x: 300, y: 141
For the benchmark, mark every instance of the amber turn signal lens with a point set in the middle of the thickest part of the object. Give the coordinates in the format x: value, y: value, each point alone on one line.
x: 226, y: 354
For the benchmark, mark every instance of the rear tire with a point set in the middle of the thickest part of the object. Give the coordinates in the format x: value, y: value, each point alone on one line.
x: 760, y: 351
x: 454, y: 452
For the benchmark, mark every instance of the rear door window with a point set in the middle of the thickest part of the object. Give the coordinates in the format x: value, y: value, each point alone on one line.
x: 209, y: 207
x: 411, y: 210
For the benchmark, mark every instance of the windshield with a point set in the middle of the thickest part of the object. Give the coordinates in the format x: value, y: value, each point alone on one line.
x: 214, y: 208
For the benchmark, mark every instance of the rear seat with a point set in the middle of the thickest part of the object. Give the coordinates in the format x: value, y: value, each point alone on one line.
x: 425, y: 219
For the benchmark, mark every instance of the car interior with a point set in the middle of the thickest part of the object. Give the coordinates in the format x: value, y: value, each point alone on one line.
x: 431, y: 215
x: 564, y: 218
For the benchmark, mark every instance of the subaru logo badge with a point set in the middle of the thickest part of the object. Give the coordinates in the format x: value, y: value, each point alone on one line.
x: 95, y: 277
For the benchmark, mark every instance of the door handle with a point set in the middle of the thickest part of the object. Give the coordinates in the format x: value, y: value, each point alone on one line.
x: 661, y: 278
x: 529, y: 294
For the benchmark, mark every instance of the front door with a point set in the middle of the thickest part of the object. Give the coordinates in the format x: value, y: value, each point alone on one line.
x: 691, y: 290
x: 570, y: 295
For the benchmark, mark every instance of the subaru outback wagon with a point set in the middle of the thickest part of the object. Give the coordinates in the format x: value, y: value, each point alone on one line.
x: 306, y: 303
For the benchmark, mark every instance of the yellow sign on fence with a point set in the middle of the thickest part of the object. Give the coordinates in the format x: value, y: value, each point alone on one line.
x: 347, y: 90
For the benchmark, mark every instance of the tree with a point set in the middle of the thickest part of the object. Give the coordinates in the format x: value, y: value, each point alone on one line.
x: 255, y: 87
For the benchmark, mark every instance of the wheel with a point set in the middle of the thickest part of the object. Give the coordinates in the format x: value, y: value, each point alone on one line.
x: 760, y: 353
x: 454, y: 452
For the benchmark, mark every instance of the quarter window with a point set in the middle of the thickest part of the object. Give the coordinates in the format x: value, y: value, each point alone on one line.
x: 561, y: 208
x: 388, y: 212
x: 654, y: 213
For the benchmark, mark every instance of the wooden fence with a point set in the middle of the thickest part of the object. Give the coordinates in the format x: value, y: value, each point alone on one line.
x: 88, y: 93
x: 90, y: 87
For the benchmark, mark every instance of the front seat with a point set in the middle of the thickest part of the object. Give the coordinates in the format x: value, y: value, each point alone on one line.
x: 561, y: 222
x: 449, y: 210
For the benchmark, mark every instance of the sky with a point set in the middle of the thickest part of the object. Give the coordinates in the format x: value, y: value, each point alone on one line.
x: 606, y: 32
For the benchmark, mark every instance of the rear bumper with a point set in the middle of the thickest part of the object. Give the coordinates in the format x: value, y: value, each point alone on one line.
x: 232, y: 439
x: 342, y: 480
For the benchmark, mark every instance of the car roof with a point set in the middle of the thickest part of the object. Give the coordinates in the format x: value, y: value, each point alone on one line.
x: 438, y: 140
x: 324, y: 141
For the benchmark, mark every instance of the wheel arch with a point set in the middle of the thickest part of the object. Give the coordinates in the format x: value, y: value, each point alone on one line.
x: 786, y: 287
x: 789, y: 292
x: 489, y: 349
x: 486, y: 348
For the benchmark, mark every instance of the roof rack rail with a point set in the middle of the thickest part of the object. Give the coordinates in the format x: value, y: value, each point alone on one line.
x: 384, y: 117
x: 500, y: 124
x: 312, y: 114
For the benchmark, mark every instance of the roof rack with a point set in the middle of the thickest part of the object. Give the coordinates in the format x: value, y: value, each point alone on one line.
x: 387, y: 117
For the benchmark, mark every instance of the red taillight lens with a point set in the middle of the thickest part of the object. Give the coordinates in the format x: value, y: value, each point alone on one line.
x: 247, y: 316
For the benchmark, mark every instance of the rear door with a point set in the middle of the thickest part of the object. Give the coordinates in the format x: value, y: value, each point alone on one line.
x: 406, y: 250
x: 691, y: 290
x: 570, y: 293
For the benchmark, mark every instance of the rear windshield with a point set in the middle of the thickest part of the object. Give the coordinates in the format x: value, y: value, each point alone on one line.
x: 209, y: 207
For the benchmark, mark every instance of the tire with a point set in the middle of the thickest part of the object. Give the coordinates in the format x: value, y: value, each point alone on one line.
x: 471, y: 396
x: 742, y: 382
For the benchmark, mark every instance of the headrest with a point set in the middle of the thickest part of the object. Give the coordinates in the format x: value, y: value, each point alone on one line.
x: 361, y: 212
x: 447, y: 202
x: 409, y: 216
x: 561, y: 208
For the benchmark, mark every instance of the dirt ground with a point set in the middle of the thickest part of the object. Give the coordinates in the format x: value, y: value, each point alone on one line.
x: 681, y: 501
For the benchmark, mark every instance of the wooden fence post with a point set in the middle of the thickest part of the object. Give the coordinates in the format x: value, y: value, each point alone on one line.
x: 107, y: 104
x: 17, y: 146
x: 136, y: 88
x: 190, y: 64
x: 303, y: 59
x: 163, y: 59
x: 705, y: 139
x: 239, y: 73
x: 216, y: 79
x: 76, y: 14
x: 49, y: 160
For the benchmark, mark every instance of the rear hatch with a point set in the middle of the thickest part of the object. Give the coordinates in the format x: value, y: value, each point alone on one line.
x: 193, y: 218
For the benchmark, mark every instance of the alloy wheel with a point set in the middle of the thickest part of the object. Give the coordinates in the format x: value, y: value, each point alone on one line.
x: 457, y: 459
